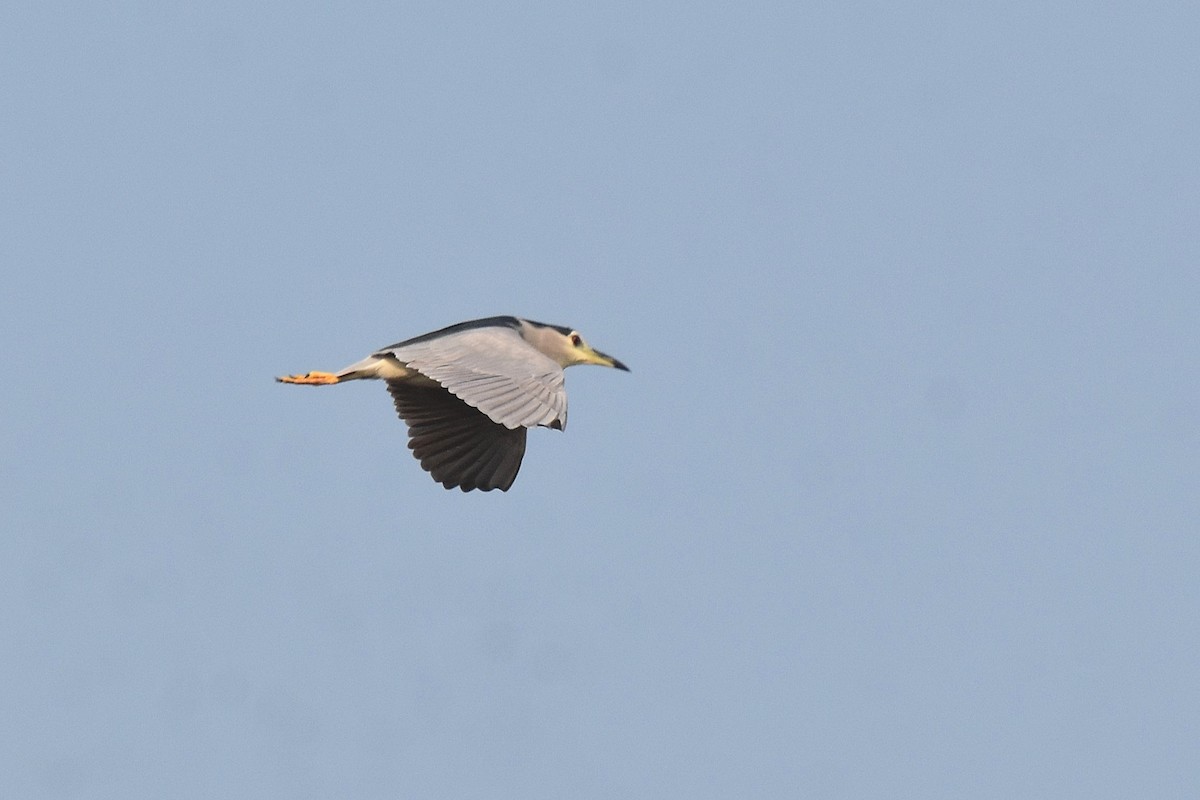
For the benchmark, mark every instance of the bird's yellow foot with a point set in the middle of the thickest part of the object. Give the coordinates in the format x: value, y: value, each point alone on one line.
x: 310, y: 379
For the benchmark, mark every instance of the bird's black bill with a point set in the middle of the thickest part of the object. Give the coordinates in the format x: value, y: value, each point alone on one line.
x: 615, y: 364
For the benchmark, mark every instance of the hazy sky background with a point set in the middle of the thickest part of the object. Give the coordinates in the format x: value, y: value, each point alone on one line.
x: 899, y: 500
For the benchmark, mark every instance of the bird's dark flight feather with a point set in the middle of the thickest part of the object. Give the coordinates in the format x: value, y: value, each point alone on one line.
x: 457, y: 444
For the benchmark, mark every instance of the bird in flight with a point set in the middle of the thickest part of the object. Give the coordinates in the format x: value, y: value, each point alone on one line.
x: 469, y: 392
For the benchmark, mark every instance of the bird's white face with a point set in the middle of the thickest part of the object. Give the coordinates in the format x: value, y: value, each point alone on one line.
x: 568, y: 349
x: 576, y: 348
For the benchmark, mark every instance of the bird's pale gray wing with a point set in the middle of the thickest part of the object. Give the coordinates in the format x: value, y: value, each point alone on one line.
x: 494, y: 370
x: 457, y: 444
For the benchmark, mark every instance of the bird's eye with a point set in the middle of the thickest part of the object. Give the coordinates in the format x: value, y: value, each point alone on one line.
x: 576, y: 340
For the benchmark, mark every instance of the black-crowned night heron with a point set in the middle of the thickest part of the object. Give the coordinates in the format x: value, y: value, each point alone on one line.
x: 468, y: 393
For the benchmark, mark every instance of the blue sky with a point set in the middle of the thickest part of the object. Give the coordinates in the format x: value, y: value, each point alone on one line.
x: 899, y: 499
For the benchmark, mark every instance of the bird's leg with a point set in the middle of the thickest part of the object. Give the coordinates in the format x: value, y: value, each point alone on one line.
x: 311, y: 378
